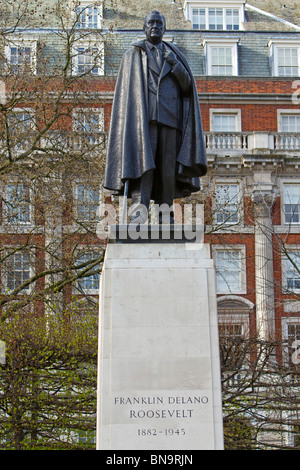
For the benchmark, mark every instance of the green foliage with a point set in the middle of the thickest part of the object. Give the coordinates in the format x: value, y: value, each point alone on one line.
x: 48, y: 384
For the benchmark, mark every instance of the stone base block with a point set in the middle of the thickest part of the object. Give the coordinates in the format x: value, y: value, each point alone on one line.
x: 159, y: 372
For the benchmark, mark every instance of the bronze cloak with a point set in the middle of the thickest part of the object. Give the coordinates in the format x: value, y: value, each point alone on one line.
x: 129, y: 153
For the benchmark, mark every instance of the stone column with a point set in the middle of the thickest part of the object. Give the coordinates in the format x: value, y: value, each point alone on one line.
x: 53, y: 242
x: 263, y: 200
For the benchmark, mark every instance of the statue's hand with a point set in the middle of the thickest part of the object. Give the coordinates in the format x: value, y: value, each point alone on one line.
x: 170, y: 57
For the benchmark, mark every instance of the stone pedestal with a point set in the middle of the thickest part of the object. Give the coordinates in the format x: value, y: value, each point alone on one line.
x: 159, y: 372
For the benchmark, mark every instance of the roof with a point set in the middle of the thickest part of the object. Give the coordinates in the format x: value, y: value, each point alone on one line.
x: 288, y: 11
x: 129, y: 14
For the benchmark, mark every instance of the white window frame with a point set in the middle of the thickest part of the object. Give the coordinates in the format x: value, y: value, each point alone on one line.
x: 226, y: 111
x: 274, y: 45
x: 285, y: 322
x: 284, y: 260
x: 283, y: 183
x: 242, y: 289
x: 228, y: 43
x: 85, y: 4
x: 294, y: 421
x: 82, y: 250
x: 88, y: 111
x: 22, y: 42
x: 75, y: 199
x: 189, y: 5
x: 26, y: 110
x: 235, y: 319
x: 230, y: 182
x: 82, y: 135
x: 31, y: 270
x: 89, y: 43
x: 285, y: 112
x: 5, y: 209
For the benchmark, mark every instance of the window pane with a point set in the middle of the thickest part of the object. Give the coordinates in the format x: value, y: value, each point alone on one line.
x: 293, y: 335
x: 87, y: 202
x: 87, y: 17
x: 221, y: 58
x: 215, y: 18
x: 20, y: 121
x: 90, y: 281
x: 227, y: 203
x: 232, y: 19
x: 198, y: 18
x: 20, y: 58
x: 18, y: 270
x: 292, y: 203
x: 290, y: 123
x: 293, y: 270
x: 87, y: 61
x: 287, y: 62
x: 228, y: 269
x: 17, y: 203
x: 224, y: 122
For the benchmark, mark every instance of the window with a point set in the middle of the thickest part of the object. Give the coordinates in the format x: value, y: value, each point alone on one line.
x: 291, y: 199
x: 88, y: 124
x: 2, y: 352
x: 221, y: 57
x: 292, y: 271
x: 290, y: 123
x: 215, y: 18
x: 221, y: 61
x: 88, y: 59
x: 88, y: 120
x: 87, y: 200
x: 291, y: 339
x: 232, y: 19
x: 287, y: 62
x: 87, y: 263
x: 230, y: 270
x: 199, y: 18
x: 20, y: 127
x: 224, y: 122
x: 87, y: 436
x: 234, y: 320
x: 227, y: 203
x: 17, y: 206
x: 295, y: 436
x: 231, y: 344
x: 229, y: 19
x: 21, y: 120
x: 285, y: 58
x: 226, y: 126
x: 231, y: 330
x: 289, y: 128
x: 21, y: 56
x: 88, y: 15
x: 18, y: 270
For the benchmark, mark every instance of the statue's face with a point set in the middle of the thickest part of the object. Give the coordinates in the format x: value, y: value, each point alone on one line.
x: 154, y: 28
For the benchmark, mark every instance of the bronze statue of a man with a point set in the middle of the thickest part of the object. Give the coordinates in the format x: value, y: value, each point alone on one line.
x: 156, y: 141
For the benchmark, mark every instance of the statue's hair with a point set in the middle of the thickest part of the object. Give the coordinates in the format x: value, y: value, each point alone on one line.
x: 157, y: 13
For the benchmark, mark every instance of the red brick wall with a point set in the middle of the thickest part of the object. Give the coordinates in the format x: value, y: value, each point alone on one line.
x: 255, y: 117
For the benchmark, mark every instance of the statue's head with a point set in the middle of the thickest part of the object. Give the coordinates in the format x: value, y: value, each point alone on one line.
x: 154, y: 26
